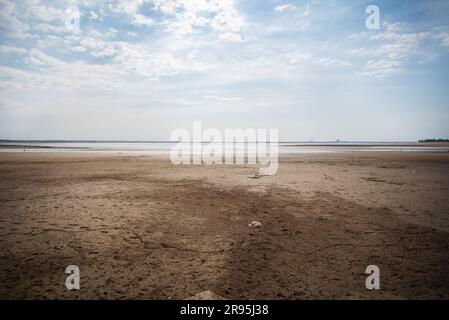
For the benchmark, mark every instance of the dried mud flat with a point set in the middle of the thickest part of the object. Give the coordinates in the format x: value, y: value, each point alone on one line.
x: 141, y: 228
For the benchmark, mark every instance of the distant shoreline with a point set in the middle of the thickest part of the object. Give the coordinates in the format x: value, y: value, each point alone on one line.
x: 374, y: 144
x: 27, y: 146
x: 54, y: 145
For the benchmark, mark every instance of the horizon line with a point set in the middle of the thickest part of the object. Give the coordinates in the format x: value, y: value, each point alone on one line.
x: 168, y: 141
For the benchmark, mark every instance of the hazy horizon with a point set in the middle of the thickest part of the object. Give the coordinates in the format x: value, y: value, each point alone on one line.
x: 335, y: 141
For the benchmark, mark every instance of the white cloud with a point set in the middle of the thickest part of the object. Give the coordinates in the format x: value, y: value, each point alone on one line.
x: 48, y: 40
x: 39, y: 58
x: 11, y: 50
x: 110, y: 33
x: 93, y: 15
x: 139, y: 60
x: 46, y: 27
x: 78, y: 49
x: 140, y: 19
x: 285, y: 8
x: 395, y: 48
x: 97, y: 44
x: 444, y: 37
x: 125, y: 6
x: 184, y: 16
x: 10, y: 23
x: 47, y: 13
x: 90, y: 43
x: 326, y: 62
x: 235, y: 37
x: 50, y: 73
x: 381, y: 68
x: 298, y: 57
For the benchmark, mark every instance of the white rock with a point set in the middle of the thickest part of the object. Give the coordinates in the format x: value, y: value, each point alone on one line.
x: 255, y: 224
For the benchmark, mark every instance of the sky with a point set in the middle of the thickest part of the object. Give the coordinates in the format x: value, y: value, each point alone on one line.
x: 138, y: 69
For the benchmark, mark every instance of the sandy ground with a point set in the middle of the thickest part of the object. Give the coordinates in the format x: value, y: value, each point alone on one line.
x: 140, y: 227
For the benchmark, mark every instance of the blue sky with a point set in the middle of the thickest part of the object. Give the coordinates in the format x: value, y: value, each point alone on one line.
x: 138, y: 69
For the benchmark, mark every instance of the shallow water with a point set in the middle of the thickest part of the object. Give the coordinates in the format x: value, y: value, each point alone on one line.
x: 165, y: 147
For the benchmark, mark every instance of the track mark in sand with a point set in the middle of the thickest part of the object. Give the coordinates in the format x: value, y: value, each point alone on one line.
x: 375, y: 179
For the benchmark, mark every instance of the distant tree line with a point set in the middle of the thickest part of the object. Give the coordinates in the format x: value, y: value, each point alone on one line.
x: 434, y: 140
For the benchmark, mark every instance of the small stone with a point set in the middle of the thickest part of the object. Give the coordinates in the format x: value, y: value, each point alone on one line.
x: 254, y: 224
